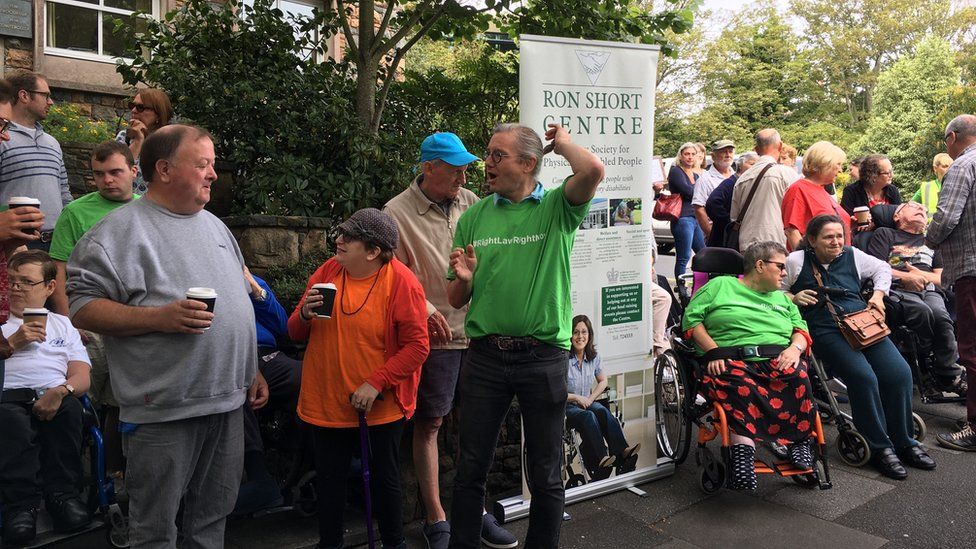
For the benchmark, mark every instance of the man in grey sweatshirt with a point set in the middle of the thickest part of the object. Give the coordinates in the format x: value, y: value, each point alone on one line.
x: 181, y: 374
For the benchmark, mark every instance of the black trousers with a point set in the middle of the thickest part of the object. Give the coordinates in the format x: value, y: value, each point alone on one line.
x: 284, y: 377
x: 333, y: 455
x: 39, y: 456
x: 490, y: 378
x: 925, y: 314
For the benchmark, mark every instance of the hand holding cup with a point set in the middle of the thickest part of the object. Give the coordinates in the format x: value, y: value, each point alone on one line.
x: 184, y: 316
x: 313, y: 299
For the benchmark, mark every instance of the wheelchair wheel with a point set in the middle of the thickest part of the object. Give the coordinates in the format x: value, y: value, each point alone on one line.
x: 712, y: 479
x: 853, y: 448
x: 117, y: 533
x: 671, y: 399
x: 305, y: 500
x: 918, y: 427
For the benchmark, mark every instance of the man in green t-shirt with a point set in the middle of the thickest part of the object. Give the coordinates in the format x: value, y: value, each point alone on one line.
x: 511, y: 262
x: 114, y: 169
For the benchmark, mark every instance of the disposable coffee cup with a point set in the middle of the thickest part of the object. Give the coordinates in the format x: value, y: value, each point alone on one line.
x: 863, y: 215
x: 20, y: 201
x: 207, y: 296
x: 38, y: 315
x: 328, y: 293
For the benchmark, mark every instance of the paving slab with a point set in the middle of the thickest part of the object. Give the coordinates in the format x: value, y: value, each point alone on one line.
x: 737, y: 520
x: 849, y: 492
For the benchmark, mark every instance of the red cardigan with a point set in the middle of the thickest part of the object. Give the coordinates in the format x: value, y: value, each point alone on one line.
x: 407, y: 343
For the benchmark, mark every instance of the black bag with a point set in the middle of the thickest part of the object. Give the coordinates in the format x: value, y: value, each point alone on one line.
x: 731, y: 237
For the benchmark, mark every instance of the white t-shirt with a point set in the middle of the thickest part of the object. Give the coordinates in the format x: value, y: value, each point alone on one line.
x: 43, y: 365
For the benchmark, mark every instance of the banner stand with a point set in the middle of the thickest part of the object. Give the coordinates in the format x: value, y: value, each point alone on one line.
x: 603, y: 94
x: 516, y: 507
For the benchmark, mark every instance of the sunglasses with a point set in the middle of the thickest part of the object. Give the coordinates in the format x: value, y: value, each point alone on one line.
x: 780, y: 266
x: 4, y: 124
x: 140, y: 107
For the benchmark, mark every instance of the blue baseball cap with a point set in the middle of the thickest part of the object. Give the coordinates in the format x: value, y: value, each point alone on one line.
x: 447, y: 147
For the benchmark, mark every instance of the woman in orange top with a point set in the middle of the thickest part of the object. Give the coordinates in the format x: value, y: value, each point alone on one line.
x: 365, y: 358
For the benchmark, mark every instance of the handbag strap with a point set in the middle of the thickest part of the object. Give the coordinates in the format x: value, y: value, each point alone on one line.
x: 752, y: 193
x: 819, y: 279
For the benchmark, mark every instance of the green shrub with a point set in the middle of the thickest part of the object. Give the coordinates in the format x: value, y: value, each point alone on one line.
x: 288, y: 282
x: 66, y: 123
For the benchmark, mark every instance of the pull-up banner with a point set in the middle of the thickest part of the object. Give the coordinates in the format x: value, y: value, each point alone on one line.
x: 603, y: 94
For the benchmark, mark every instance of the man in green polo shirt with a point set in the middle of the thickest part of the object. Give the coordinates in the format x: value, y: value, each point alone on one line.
x: 511, y: 262
x: 114, y: 169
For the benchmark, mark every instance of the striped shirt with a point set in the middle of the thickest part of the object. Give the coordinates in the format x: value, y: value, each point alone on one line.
x: 953, y: 228
x: 31, y: 165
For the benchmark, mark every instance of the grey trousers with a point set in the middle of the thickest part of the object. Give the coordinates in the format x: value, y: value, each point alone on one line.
x: 196, y: 461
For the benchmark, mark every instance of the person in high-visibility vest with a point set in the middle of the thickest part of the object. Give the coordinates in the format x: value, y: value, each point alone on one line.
x: 928, y: 192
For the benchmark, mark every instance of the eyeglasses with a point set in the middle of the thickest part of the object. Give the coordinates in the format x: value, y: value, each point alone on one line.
x: 496, y: 156
x: 140, y: 107
x: 4, y: 124
x: 23, y: 284
x: 886, y: 174
x: 780, y: 266
x: 947, y: 135
x: 47, y: 94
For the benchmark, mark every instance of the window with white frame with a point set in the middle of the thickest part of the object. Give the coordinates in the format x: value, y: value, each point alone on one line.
x: 296, y: 8
x: 85, y: 28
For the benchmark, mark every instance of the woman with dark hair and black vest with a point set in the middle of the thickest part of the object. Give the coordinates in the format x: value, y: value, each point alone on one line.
x: 874, y: 187
x: 879, y: 381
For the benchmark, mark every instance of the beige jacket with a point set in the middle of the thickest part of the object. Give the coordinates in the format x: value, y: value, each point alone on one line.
x: 764, y: 218
x: 426, y: 237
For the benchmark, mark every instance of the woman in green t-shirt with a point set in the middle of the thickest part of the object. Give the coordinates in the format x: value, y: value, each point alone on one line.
x: 767, y: 396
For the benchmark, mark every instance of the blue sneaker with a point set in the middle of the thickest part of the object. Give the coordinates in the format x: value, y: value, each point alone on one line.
x: 493, y: 535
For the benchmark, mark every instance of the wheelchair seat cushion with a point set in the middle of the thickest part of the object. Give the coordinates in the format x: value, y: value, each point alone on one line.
x: 717, y: 261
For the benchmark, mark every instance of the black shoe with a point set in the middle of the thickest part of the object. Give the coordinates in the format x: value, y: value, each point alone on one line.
x: 68, y: 512
x: 20, y: 526
x: 800, y: 455
x: 963, y: 440
x: 887, y: 463
x: 915, y: 456
x: 954, y: 386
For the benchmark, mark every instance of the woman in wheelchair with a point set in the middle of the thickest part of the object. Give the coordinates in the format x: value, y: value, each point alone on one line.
x: 591, y: 419
x: 752, y: 338
x: 40, y: 415
x: 878, y: 379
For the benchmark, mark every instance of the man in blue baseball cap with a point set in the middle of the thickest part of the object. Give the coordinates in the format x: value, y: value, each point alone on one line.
x: 427, y: 213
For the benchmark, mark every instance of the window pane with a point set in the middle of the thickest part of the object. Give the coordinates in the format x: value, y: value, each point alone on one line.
x: 71, y: 27
x: 295, y: 8
x: 132, y: 5
x: 114, y: 43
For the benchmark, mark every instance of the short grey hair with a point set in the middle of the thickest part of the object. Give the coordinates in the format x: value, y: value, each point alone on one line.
x: 964, y: 124
x: 767, y: 138
x: 761, y: 251
x: 527, y: 143
x: 748, y: 156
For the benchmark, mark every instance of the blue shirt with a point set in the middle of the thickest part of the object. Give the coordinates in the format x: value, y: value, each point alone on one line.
x: 272, y: 321
x: 536, y: 195
x: 581, y: 375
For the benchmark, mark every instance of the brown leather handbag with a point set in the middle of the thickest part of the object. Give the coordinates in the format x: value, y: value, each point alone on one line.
x: 861, y: 329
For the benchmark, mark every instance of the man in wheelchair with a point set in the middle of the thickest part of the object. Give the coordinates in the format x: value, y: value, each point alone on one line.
x: 40, y: 412
x: 916, y: 300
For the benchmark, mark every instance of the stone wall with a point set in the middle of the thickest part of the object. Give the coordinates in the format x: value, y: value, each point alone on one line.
x: 277, y: 241
x: 77, y: 161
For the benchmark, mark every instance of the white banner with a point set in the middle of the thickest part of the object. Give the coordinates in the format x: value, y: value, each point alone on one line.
x: 603, y: 94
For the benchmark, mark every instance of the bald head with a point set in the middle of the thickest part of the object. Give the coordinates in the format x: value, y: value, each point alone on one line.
x: 960, y: 134
x: 768, y: 142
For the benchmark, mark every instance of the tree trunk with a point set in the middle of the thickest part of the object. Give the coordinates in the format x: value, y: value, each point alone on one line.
x: 366, y: 94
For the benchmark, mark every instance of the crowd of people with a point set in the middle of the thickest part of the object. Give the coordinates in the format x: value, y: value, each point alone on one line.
x: 137, y: 296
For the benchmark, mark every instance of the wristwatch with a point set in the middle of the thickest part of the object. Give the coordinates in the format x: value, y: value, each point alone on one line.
x: 71, y: 390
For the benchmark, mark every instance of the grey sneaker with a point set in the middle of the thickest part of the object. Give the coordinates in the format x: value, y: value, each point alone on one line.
x: 493, y: 535
x: 963, y: 440
x: 438, y: 534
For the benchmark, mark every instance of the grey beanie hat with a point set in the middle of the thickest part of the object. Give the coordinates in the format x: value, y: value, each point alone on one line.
x: 372, y: 227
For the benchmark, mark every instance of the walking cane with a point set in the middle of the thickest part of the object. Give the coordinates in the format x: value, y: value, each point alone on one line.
x: 364, y: 466
x: 367, y: 494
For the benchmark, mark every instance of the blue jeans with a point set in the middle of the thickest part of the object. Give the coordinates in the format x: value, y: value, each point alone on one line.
x: 489, y: 379
x: 594, y: 424
x: 688, y: 236
x: 879, y: 384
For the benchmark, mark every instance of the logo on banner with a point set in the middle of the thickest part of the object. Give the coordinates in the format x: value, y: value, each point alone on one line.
x: 613, y: 275
x: 593, y: 63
